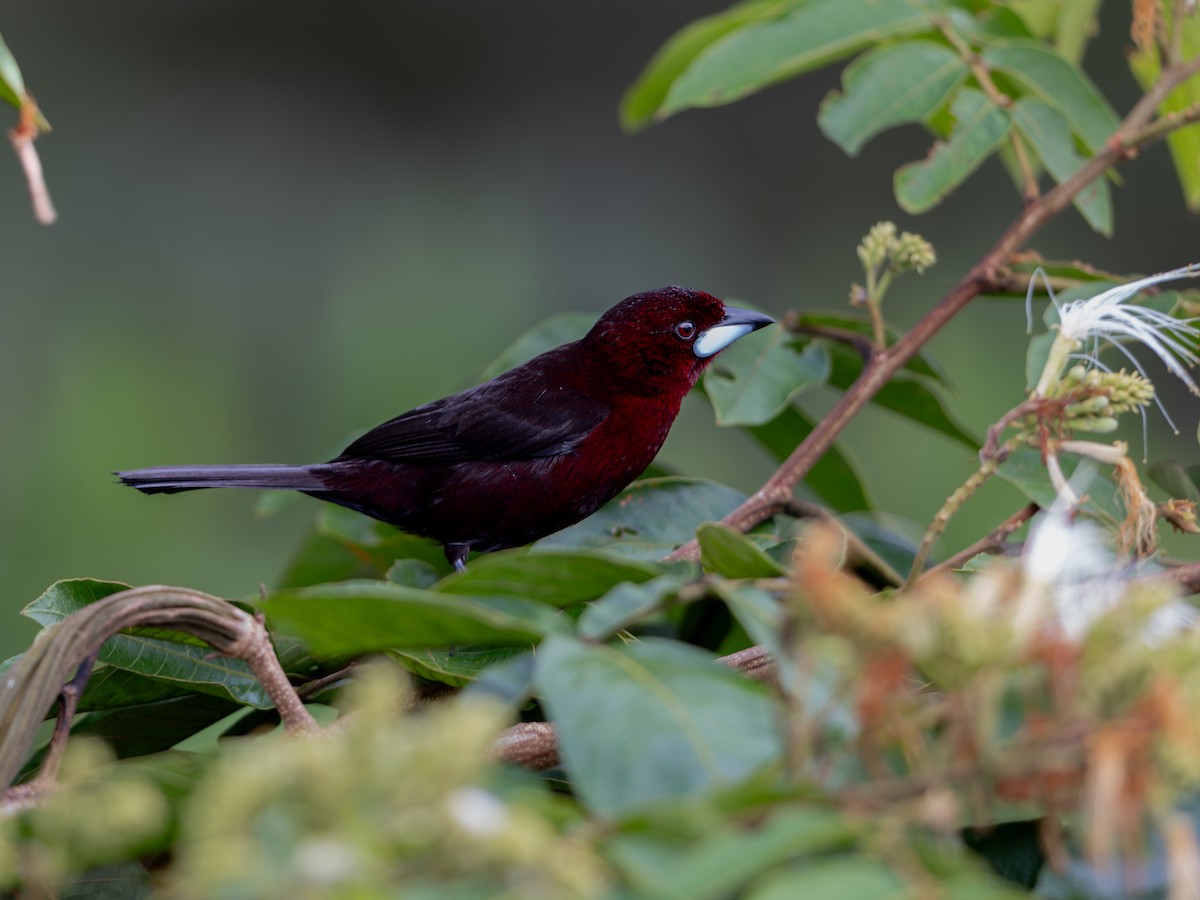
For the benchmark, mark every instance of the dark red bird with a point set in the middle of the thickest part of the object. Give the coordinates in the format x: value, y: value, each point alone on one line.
x: 526, y: 454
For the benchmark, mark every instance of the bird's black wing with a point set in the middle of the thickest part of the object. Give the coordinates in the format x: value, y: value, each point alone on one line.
x: 523, y: 414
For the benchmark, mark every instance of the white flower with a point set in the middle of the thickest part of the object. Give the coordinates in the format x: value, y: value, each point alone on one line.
x: 478, y: 812
x: 1107, y: 317
x: 1072, y: 579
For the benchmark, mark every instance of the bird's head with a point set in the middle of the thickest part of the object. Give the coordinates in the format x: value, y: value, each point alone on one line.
x: 662, y: 340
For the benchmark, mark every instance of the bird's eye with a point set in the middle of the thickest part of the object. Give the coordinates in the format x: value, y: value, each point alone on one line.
x: 685, y: 330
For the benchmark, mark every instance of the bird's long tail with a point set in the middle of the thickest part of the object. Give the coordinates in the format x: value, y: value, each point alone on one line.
x: 172, y: 479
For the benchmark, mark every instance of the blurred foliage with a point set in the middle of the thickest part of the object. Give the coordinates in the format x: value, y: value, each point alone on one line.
x: 1022, y: 724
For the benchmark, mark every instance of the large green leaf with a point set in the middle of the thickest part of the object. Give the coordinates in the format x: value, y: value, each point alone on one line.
x: 908, y: 397
x: 833, y: 477
x: 646, y: 95
x: 754, y: 380
x: 624, y: 605
x: 807, y: 37
x: 979, y: 128
x: 724, y: 551
x: 889, y: 86
x: 357, y: 617
x: 1040, y: 71
x: 555, y: 577
x: 691, y: 724
x: 1050, y: 136
x: 455, y: 666
x: 1184, y: 143
x: 649, y: 518
x: 175, y: 659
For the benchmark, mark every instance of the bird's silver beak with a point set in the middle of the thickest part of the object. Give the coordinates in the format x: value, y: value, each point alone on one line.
x: 736, y: 323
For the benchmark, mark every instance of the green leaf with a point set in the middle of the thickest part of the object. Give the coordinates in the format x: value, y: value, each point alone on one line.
x: 724, y: 551
x: 980, y: 127
x: 153, y: 727
x: 1025, y: 471
x: 646, y: 95
x: 554, y: 577
x: 190, y: 665
x: 1184, y: 143
x: 357, y: 617
x: 1177, y: 480
x: 457, y: 666
x: 1041, y: 72
x: 920, y: 363
x: 1077, y: 24
x: 12, y: 85
x: 692, y: 724
x: 889, y: 86
x: 649, y: 518
x: 624, y: 605
x: 755, y: 380
x: 833, y: 478
x: 1050, y: 136
x: 809, y: 36
x: 723, y: 861
x: 845, y: 877
x: 907, y: 397
x: 552, y: 332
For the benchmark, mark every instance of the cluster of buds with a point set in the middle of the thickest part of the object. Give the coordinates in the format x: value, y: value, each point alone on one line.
x: 902, y: 251
x: 1096, y: 398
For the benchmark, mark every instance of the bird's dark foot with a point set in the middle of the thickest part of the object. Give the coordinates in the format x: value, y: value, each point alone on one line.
x: 457, y: 555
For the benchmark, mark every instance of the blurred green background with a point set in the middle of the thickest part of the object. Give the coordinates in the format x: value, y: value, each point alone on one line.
x: 284, y: 222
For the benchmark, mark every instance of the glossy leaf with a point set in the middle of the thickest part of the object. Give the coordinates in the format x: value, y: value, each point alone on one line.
x: 190, y: 665
x: 892, y: 85
x: 456, y: 666
x: 649, y: 518
x: 1041, y: 72
x: 724, y: 551
x: 692, y: 724
x: 980, y: 127
x: 833, y: 478
x: 644, y: 98
x: 1050, y: 136
x: 554, y: 577
x: 754, y: 380
x: 357, y: 617
x: 624, y: 605
x: 806, y: 37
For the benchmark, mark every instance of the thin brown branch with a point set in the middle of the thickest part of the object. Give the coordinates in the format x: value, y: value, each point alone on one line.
x: 992, y: 542
x: 31, y: 686
x: 1133, y: 132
